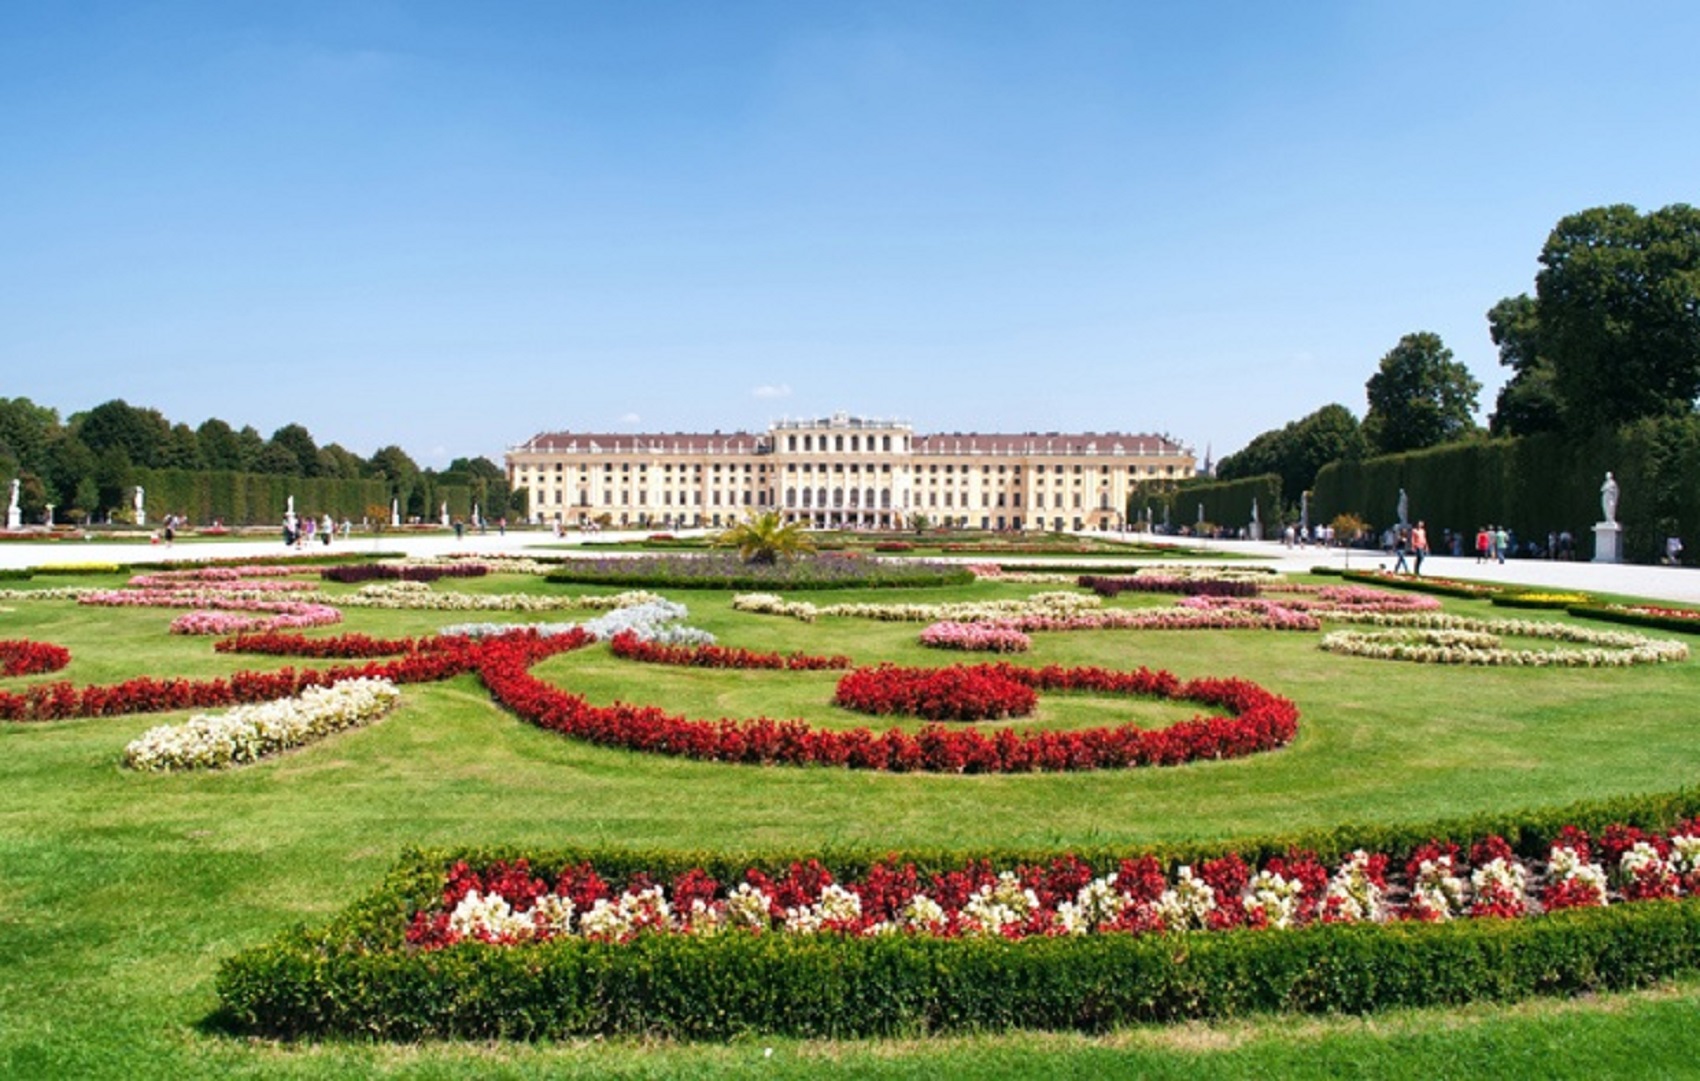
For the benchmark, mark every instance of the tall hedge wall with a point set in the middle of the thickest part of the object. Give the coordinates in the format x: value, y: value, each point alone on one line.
x: 1535, y: 485
x: 1228, y: 502
x: 238, y: 499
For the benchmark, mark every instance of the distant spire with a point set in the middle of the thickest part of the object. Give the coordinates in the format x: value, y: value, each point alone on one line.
x: 1209, y: 469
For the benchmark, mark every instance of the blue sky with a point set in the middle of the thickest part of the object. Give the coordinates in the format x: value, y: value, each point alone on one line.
x: 450, y: 225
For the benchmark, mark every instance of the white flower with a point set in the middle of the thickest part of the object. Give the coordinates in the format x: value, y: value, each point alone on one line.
x: 1188, y: 903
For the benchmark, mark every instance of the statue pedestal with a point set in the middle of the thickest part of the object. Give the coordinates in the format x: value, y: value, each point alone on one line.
x: 1608, y: 543
x: 14, y: 518
x: 1256, y: 531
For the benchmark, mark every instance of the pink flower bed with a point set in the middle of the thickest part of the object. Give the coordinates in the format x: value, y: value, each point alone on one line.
x: 995, y: 637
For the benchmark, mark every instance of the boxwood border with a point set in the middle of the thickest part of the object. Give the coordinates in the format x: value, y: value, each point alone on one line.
x: 354, y: 977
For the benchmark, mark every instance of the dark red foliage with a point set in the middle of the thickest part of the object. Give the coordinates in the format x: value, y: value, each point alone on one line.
x: 627, y: 644
x: 21, y: 657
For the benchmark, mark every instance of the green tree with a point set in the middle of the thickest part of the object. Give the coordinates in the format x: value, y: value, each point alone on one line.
x: 26, y: 430
x: 337, y: 461
x: 298, y: 441
x: 1297, y: 451
x: 182, y: 449
x: 278, y: 459
x: 140, y: 433
x: 70, y: 472
x: 1420, y: 397
x: 220, y: 446
x: 1528, y: 402
x: 1618, y: 298
x: 765, y: 538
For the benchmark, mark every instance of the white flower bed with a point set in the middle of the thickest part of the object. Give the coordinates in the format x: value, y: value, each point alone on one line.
x: 656, y: 620
x: 1054, y: 605
x: 248, y: 733
x: 418, y: 596
x: 1447, y: 639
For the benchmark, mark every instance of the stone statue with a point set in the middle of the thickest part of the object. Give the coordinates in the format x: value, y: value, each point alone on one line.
x: 1404, y: 508
x: 289, y: 507
x: 14, y: 503
x: 14, y: 516
x: 1608, y: 498
x: 1254, y: 517
x: 141, y: 515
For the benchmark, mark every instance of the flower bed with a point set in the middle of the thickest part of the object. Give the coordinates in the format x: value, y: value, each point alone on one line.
x: 976, y: 637
x: 633, y: 647
x: 1446, y: 587
x: 344, y: 646
x: 62, y: 701
x: 1257, y: 721
x: 289, y: 616
x: 418, y: 596
x: 593, y: 942
x: 1444, y: 639
x: 351, y: 573
x: 1152, y: 583
x: 21, y: 657
x: 959, y: 693
x: 723, y: 570
x: 248, y: 733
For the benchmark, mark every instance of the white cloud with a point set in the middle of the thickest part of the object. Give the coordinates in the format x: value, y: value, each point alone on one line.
x: 768, y: 390
x: 629, y: 418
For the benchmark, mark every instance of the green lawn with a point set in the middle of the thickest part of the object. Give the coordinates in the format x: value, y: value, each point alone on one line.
x: 119, y: 894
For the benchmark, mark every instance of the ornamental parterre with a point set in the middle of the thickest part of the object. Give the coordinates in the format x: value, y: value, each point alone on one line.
x: 1256, y: 721
x: 509, y: 904
x: 1447, y: 639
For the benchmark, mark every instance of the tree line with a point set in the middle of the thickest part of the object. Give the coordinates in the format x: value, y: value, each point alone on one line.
x: 1610, y: 337
x: 86, y: 465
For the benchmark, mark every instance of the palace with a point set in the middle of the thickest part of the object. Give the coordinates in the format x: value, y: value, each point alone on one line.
x: 841, y: 472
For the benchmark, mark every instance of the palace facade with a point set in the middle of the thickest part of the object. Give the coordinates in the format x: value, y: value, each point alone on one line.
x: 841, y: 472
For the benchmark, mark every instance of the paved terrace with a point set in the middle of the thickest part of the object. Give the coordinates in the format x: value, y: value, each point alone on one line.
x: 1675, y: 584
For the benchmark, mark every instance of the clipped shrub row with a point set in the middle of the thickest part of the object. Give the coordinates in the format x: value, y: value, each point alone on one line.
x: 1441, y: 586
x: 357, y: 977
x: 722, y: 570
x: 351, y: 573
x: 1664, y: 619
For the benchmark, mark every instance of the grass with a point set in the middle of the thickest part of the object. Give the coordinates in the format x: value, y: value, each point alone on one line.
x: 119, y: 894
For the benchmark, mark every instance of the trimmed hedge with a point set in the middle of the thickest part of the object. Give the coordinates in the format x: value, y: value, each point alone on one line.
x: 1423, y: 585
x: 355, y: 977
x: 721, y: 571
x: 1635, y: 619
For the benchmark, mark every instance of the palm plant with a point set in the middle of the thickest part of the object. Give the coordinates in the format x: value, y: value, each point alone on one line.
x: 766, y: 538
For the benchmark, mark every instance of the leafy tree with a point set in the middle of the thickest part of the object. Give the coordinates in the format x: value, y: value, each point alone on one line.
x: 250, y: 443
x: 112, y: 478
x: 1618, y: 298
x: 26, y: 429
x: 1299, y: 450
x: 221, y: 448
x: 337, y: 461
x: 391, y: 463
x: 765, y: 538
x: 140, y: 433
x: 70, y: 467
x: 1420, y: 397
x: 182, y: 449
x: 1528, y: 402
x: 299, y: 442
x: 279, y: 459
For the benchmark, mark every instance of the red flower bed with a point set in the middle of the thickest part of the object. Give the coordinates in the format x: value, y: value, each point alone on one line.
x: 980, y: 692
x: 1257, y: 721
x: 21, y: 657
x: 60, y: 701
x: 345, y: 645
x: 627, y: 644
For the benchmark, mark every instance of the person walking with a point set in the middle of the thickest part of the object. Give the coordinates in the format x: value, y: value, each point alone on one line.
x: 1501, y: 539
x: 1419, y: 548
x: 1399, y: 550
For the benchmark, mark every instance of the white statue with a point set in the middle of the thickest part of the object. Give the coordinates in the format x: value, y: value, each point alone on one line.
x: 14, y: 503
x: 445, y: 514
x: 289, y: 508
x: 1404, y: 508
x: 1254, y: 517
x: 1608, y: 498
x: 14, y: 516
x: 141, y: 515
x: 395, y: 512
